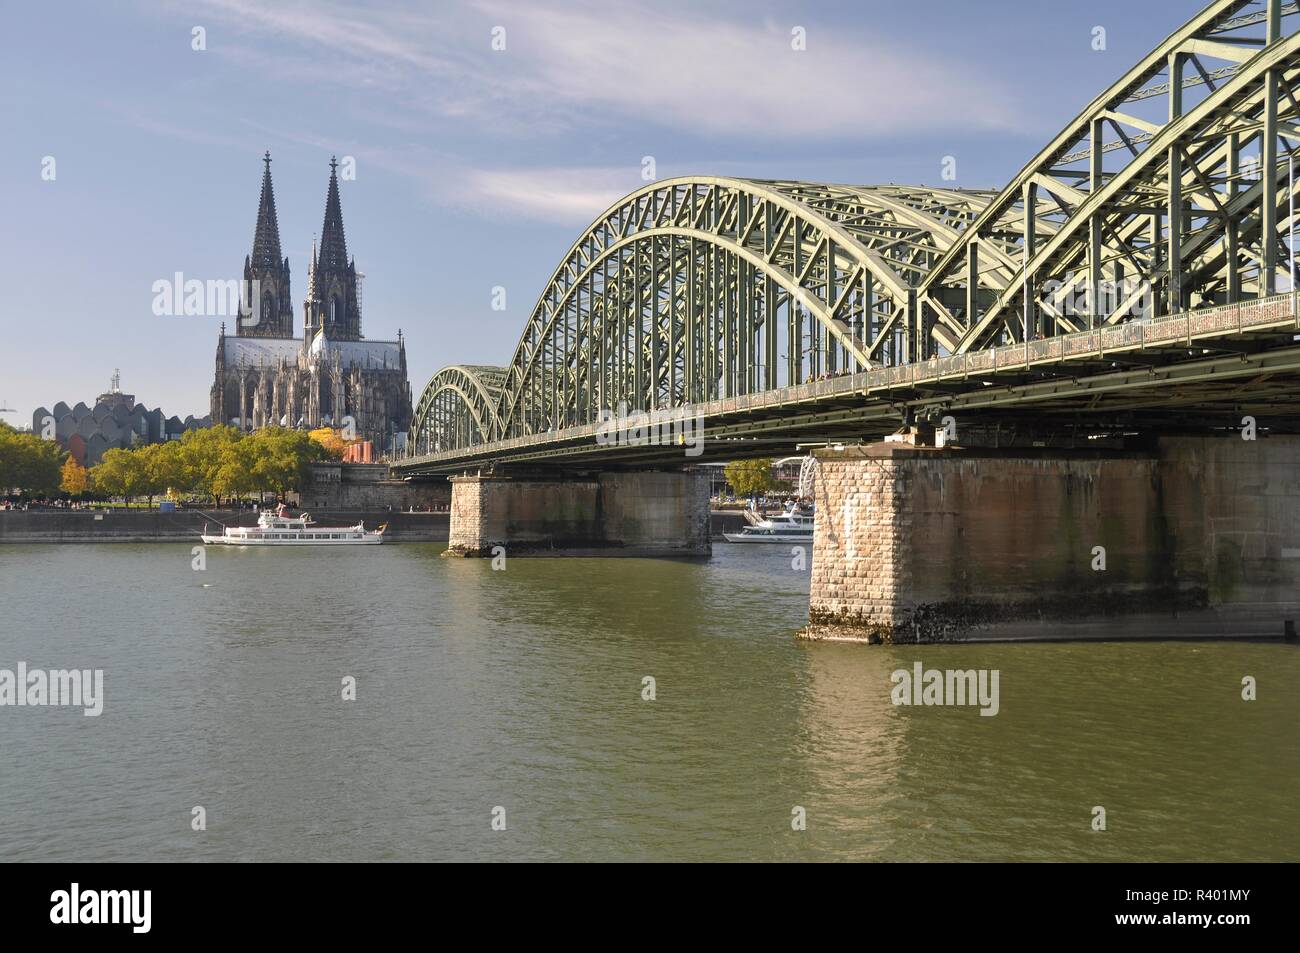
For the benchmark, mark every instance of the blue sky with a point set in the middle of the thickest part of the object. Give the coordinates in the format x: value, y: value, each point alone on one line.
x: 475, y: 168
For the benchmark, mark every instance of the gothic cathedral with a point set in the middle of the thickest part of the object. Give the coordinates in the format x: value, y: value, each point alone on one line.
x: 331, y: 376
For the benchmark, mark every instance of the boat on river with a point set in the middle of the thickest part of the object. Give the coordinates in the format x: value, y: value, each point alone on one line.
x: 793, y: 525
x: 281, y: 529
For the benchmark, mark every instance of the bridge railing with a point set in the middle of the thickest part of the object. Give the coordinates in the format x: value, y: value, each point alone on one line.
x: 1214, y: 321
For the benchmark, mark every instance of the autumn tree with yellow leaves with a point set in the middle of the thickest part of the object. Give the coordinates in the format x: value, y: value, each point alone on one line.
x: 76, y: 478
x: 331, y: 439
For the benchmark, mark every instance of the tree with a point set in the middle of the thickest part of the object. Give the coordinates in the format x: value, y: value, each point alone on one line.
x: 121, y: 473
x: 331, y: 441
x: 202, y: 455
x: 280, y: 459
x: 216, y: 461
x: 750, y: 477
x: 12, y: 458
x: 29, y: 463
x: 162, y: 468
x: 234, y: 476
x: 76, y: 478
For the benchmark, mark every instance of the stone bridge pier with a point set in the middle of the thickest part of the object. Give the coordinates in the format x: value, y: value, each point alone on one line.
x: 643, y: 513
x: 1191, y: 536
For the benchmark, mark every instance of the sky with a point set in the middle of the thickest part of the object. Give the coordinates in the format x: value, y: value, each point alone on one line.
x: 131, y: 137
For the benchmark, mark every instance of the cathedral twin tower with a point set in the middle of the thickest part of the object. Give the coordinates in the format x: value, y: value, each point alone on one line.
x: 332, y: 300
x: 331, y: 376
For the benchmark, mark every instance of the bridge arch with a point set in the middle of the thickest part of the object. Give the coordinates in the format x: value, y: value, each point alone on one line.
x: 696, y: 288
x: 1136, y: 180
x: 457, y: 408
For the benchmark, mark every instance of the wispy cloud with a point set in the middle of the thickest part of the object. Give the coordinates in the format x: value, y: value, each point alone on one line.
x: 667, y: 64
x: 424, y: 95
x: 731, y: 75
x: 570, y: 195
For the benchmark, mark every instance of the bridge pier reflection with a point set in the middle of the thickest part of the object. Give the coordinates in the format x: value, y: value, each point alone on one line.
x: 644, y: 513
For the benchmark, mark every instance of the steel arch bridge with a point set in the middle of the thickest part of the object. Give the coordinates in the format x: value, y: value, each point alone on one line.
x: 458, y: 407
x: 695, y: 288
x: 731, y: 297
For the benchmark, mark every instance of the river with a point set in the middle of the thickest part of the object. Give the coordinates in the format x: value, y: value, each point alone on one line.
x: 522, y: 689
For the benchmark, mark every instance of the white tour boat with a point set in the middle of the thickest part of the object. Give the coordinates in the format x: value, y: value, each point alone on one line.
x: 794, y: 525
x: 280, y: 529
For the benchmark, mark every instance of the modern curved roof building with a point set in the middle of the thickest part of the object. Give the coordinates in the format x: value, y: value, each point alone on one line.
x: 115, y: 421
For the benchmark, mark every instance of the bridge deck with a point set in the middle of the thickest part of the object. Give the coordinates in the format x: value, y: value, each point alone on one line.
x: 1187, y: 363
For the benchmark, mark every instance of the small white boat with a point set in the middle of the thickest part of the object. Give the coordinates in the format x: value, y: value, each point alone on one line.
x: 280, y: 529
x: 794, y: 525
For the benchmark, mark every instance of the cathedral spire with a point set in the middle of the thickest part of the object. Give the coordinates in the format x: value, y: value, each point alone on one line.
x: 266, y: 238
x: 334, y: 280
x: 333, y: 246
x: 267, y: 308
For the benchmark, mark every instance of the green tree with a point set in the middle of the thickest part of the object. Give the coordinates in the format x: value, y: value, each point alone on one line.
x: 280, y: 459
x: 750, y: 477
x: 121, y: 473
x: 216, y: 462
x: 28, y: 463
x: 162, y: 468
x: 234, y: 473
x: 203, y: 454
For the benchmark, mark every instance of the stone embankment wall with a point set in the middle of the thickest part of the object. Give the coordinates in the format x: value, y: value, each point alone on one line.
x: 923, y: 544
x: 135, y: 526
x: 369, y: 486
x: 148, y: 526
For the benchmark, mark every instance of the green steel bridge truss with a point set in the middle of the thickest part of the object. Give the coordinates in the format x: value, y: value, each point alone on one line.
x: 1167, y: 194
